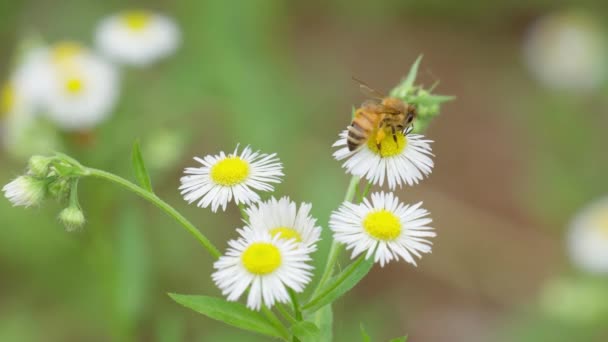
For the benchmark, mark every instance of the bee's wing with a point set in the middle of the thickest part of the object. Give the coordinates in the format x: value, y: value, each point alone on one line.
x: 369, y: 91
x: 372, y: 105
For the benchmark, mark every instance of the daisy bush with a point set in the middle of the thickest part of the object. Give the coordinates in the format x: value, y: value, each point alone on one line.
x: 265, y: 278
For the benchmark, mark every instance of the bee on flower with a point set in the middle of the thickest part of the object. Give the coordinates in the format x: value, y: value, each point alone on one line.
x: 402, y: 159
x: 383, y: 228
x: 284, y: 219
x: 236, y: 176
x: 137, y: 37
x: 265, y: 265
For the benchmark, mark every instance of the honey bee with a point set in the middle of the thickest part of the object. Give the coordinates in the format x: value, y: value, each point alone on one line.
x: 377, y: 117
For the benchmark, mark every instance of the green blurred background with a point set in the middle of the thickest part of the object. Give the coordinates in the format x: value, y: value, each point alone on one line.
x: 514, y: 161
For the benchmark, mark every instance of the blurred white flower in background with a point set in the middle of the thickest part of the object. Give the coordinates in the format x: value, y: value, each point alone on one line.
x: 567, y: 51
x: 82, y: 88
x: 587, y: 238
x: 20, y: 100
x: 137, y: 37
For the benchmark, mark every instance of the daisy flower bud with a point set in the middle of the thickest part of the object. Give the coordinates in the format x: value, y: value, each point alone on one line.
x: 222, y: 178
x: 25, y: 191
x: 265, y: 265
x: 72, y: 218
x: 383, y: 228
x: 405, y: 161
x: 587, y: 238
x: 39, y: 166
x: 137, y: 37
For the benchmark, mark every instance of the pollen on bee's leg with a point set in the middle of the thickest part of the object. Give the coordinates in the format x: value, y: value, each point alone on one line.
x: 380, y: 136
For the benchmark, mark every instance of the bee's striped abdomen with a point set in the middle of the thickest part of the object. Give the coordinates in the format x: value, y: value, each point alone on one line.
x: 360, y: 129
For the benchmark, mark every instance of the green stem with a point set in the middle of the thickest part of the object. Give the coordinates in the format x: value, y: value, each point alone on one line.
x: 243, y: 211
x: 74, y: 193
x: 152, y: 198
x: 285, y: 313
x: 296, y: 306
x: 365, y: 191
x: 336, y: 247
x: 342, y: 277
x: 274, y: 320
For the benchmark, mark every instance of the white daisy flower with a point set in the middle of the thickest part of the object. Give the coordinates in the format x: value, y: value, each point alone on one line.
x: 567, y: 51
x: 137, y: 37
x: 25, y: 191
x: 224, y: 177
x: 265, y: 265
x: 282, y: 217
x: 587, y: 239
x: 407, y: 161
x: 16, y: 113
x: 83, y: 88
x: 384, y: 228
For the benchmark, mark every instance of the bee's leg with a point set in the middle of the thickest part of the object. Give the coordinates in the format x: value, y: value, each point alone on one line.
x: 380, y: 136
x: 394, y: 134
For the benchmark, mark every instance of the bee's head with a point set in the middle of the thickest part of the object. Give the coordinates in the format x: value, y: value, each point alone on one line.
x: 410, y: 114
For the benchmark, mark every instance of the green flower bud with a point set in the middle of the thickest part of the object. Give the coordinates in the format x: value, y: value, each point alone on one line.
x: 72, y: 218
x: 39, y: 166
x: 60, y: 188
x: 25, y: 191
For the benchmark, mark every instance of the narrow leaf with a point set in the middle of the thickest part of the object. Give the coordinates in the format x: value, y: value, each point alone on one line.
x: 139, y: 168
x: 306, y: 331
x: 411, y: 75
x: 399, y: 339
x: 324, y: 319
x: 231, y: 313
x: 364, y: 336
x: 407, y: 84
x: 340, y: 284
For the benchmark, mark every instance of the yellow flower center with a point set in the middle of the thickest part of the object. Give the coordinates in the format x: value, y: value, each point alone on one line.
x: 63, y: 52
x: 7, y: 100
x: 286, y: 233
x: 382, y: 225
x: 74, y: 85
x: 388, y: 146
x: 137, y: 20
x: 261, y: 258
x: 230, y: 171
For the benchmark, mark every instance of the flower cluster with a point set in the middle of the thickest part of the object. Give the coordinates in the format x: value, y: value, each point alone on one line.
x: 76, y: 87
x: 271, y: 254
x: 50, y: 177
x: 269, y: 261
x: 383, y: 227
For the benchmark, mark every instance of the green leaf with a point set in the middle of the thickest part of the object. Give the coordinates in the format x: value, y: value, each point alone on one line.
x: 141, y: 174
x: 399, y: 339
x: 408, y: 82
x: 340, y: 284
x: 324, y: 319
x: 364, y: 336
x: 231, y: 313
x: 305, y: 331
x: 131, y: 269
